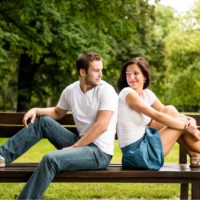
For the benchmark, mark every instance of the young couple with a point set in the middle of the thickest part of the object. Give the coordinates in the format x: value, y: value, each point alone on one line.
x: 146, y: 128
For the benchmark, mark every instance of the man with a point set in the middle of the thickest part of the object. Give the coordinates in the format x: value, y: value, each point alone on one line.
x: 93, y: 103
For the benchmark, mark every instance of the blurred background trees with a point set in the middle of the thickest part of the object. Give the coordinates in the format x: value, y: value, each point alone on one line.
x: 40, y: 41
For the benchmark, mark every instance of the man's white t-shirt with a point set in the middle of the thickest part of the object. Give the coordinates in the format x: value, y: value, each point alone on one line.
x: 84, y: 107
x: 131, y: 124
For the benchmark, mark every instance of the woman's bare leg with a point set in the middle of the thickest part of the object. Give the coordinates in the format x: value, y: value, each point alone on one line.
x: 192, y: 146
x: 170, y: 110
x: 170, y: 136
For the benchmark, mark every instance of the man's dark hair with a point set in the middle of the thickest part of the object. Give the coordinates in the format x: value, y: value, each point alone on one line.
x: 85, y: 58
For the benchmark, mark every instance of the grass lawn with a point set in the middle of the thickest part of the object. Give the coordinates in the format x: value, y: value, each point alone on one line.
x: 93, y: 191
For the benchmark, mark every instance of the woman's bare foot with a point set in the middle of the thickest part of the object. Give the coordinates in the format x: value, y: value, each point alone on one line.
x: 195, y: 162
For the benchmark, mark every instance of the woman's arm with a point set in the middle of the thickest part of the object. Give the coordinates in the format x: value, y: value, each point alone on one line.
x: 157, y: 105
x: 135, y: 101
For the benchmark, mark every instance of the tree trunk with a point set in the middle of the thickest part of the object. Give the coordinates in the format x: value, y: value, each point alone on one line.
x: 26, y: 73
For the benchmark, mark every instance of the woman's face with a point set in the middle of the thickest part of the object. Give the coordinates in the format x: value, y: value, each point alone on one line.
x: 135, y: 77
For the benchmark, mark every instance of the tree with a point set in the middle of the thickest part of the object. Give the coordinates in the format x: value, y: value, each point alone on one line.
x: 40, y: 34
x: 184, y: 62
x: 164, y: 18
x: 46, y: 37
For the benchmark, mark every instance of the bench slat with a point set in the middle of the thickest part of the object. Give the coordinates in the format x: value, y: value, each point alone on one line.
x: 171, y: 173
x: 11, y: 123
x: 9, y: 131
x: 16, y: 118
x: 11, y: 118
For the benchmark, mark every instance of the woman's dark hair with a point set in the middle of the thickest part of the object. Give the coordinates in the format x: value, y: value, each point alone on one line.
x: 144, y: 67
x: 85, y: 58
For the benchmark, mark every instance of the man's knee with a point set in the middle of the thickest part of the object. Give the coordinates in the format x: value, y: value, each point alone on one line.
x: 44, y: 119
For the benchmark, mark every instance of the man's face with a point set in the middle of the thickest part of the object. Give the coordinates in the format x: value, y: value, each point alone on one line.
x: 94, y: 73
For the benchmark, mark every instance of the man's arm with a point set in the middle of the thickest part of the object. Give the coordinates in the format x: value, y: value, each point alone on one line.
x: 99, y: 127
x: 54, y: 112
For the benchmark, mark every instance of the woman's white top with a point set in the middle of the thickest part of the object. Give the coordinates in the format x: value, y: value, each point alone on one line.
x: 131, y: 124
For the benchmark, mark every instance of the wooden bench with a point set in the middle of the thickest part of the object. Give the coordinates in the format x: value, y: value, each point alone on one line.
x: 181, y: 173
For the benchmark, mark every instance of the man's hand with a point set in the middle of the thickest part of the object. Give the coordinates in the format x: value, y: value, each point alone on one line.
x: 30, y: 115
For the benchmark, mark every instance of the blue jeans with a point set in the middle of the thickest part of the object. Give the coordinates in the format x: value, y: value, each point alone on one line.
x: 81, y: 158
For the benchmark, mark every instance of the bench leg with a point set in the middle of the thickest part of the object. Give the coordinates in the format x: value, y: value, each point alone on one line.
x: 196, y: 190
x: 184, y: 191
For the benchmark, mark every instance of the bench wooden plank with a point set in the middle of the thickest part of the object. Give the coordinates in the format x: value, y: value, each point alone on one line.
x: 171, y: 173
x: 16, y: 118
x: 11, y: 123
x: 195, y: 190
x: 9, y: 131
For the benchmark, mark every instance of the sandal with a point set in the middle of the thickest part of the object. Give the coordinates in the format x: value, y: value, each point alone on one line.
x: 195, y: 162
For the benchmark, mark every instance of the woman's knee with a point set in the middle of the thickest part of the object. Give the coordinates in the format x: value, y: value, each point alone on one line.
x: 193, y: 120
x: 170, y: 110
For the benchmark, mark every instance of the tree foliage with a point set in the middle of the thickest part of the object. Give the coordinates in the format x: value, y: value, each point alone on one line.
x: 183, y: 84
x: 43, y: 39
x: 164, y: 18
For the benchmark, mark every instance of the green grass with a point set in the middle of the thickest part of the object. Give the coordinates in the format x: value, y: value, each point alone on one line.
x: 93, y: 191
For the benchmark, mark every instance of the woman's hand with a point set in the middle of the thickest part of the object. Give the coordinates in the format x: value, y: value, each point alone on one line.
x: 193, y: 130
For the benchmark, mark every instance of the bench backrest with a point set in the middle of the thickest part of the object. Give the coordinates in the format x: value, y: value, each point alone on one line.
x: 11, y: 122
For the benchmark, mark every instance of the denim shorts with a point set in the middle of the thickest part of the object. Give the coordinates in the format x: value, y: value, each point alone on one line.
x: 146, y: 153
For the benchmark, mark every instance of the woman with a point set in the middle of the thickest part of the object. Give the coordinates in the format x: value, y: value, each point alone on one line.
x: 147, y: 129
